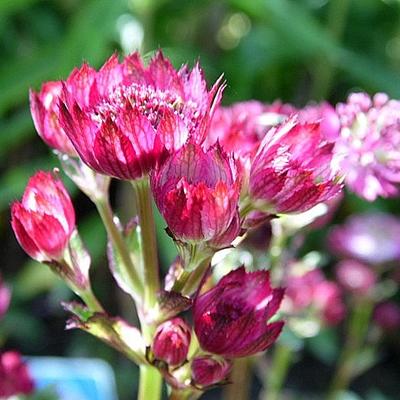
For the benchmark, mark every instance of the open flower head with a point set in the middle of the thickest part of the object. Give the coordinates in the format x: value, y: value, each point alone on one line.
x: 43, y: 221
x: 125, y: 118
x: 197, y: 193
x: 369, y: 144
x: 232, y: 318
x: 293, y: 169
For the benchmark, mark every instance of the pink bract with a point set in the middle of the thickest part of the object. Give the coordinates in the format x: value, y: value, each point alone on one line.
x: 231, y: 318
x: 293, y: 169
x: 197, y: 192
x: 14, y: 376
x: 124, y: 119
x: 369, y: 144
x: 171, y: 341
x: 45, y: 218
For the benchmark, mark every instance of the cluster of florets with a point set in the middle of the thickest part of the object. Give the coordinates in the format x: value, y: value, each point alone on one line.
x: 214, y: 173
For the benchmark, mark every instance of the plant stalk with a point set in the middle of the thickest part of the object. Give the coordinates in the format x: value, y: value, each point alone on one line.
x: 356, y: 334
x: 240, y: 376
x: 150, y: 383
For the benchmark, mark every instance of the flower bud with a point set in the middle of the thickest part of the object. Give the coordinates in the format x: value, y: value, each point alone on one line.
x: 14, y: 376
x: 355, y: 277
x: 197, y: 193
x: 231, y: 318
x: 293, y: 169
x: 387, y: 316
x: 208, y: 370
x: 5, y: 297
x: 44, y: 220
x: 171, y: 341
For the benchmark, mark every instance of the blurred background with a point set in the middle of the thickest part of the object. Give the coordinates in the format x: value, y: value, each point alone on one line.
x: 293, y: 50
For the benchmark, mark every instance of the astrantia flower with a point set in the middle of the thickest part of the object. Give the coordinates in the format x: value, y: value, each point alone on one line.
x: 371, y: 238
x: 171, y: 341
x: 231, y: 319
x: 370, y: 144
x: 14, y: 376
x: 293, y: 169
x: 197, y: 193
x: 44, y: 110
x: 125, y: 118
x: 44, y: 220
x: 209, y: 370
x: 387, y: 316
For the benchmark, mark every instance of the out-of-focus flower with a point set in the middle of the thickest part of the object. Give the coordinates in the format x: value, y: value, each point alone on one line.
x: 310, y: 295
x: 387, y: 316
x: 124, y: 119
x: 355, y: 277
x: 197, y: 193
x: 14, y: 376
x: 370, y: 144
x: 293, y: 169
x: 5, y: 297
x: 231, y: 318
x: 372, y: 238
x: 327, y: 117
x: 171, y: 341
x: 44, y: 110
x: 209, y: 370
x: 44, y: 220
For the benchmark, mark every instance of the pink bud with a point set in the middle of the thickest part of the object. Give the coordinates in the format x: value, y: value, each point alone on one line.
x: 231, y: 318
x: 45, y: 218
x: 171, y: 341
x: 5, y: 297
x: 44, y: 110
x: 208, y: 370
x: 197, y: 193
x: 355, y: 277
x: 293, y: 170
x: 14, y: 376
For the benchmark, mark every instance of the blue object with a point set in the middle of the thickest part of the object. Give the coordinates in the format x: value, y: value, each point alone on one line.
x: 74, y: 378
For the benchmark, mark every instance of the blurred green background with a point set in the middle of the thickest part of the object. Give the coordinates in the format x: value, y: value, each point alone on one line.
x: 294, y: 50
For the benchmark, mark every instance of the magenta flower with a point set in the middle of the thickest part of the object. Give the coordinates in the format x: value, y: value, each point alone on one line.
x: 124, y: 119
x: 293, y: 169
x: 370, y: 144
x: 44, y: 110
x: 355, y: 277
x: 197, y: 192
x: 231, y: 318
x: 171, y: 341
x: 5, y: 297
x: 208, y: 370
x: 14, y: 376
x: 370, y: 238
x: 45, y: 218
x: 387, y: 316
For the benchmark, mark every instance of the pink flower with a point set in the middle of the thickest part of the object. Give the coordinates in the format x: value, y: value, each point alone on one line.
x: 372, y: 238
x: 124, y: 119
x: 231, y: 318
x: 309, y: 291
x: 370, y: 144
x: 387, y: 316
x: 171, y: 341
x: 208, y: 370
x: 355, y: 277
x: 44, y: 110
x: 197, y: 192
x: 45, y: 218
x: 14, y: 376
x: 5, y: 297
x: 293, y: 169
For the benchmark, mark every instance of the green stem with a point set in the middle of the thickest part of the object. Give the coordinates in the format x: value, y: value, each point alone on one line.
x: 107, y: 216
x: 276, y: 375
x: 150, y: 383
x: 240, y: 377
x: 324, y: 68
x: 151, y: 280
x: 356, y: 334
x: 185, y: 394
x: 276, y: 251
x: 90, y: 300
